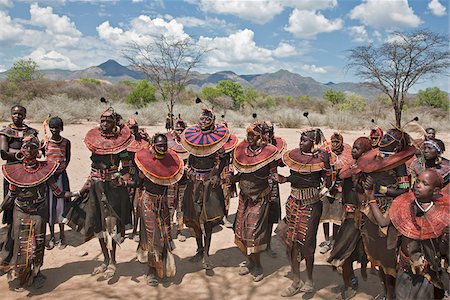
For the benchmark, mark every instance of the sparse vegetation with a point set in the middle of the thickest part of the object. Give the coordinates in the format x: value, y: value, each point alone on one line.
x: 88, y: 80
x: 79, y: 102
x: 143, y: 94
x: 434, y: 97
x: 24, y: 70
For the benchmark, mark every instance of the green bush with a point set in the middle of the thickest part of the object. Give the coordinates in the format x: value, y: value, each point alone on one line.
x: 269, y: 102
x: 209, y: 93
x: 128, y: 83
x: 334, y: 97
x: 354, y: 103
x: 233, y: 90
x: 24, y: 70
x: 142, y: 94
x: 434, y: 97
x: 88, y: 80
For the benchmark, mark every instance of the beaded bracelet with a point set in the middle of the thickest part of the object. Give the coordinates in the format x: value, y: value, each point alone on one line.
x: 372, y: 201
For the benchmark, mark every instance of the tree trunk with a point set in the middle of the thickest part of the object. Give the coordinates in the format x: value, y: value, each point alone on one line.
x: 398, y: 116
x: 171, y: 114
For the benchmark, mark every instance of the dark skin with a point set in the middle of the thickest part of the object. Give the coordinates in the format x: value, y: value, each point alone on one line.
x: 430, y: 154
x: 389, y: 144
x: 425, y: 187
x: 347, y: 267
x: 107, y: 126
x: 206, y: 124
x: 160, y: 145
x: 18, y: 115
x: 430, y: 134
x: 56, y: 136
x: 392, y: 146
x: 336, y: 147
x: 252, y: 139
x: 306, y: 147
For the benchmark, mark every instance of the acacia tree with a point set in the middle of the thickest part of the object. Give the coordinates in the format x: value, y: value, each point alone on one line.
x: 166, y: 62
x: 396, y: 65
x: 24, y: 70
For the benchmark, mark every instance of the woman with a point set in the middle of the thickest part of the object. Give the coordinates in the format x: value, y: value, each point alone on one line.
x: 176, y: 191
x: 159, y: 168
x: 348, y: 245
x: 203, y: 201
x: 108, y: 209
x: 23, y: 242
x: 332, y: 209
x: 11, y: 138
x: 252, y: 158
x: 309, y: 166
x: 431, y: 158
x: 422, y: 219
x: 141, y: 141
x: 385, y: 169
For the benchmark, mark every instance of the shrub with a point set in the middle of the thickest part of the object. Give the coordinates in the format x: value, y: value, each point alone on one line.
x: 142, y: 94
x: 334, y: 97
x: 233, y: 90
x: 88, y: 80
x: 434, y: 97
x: 209, y: 93
x: 354, y: 103
x: 24, y: 70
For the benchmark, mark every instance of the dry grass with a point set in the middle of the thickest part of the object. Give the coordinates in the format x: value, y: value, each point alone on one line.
x: 76, y: 102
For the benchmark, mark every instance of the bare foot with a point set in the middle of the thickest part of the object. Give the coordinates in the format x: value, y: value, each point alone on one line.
x: 110, y: 271
x: 308, y: 287
x: 292, y: 290
x: 100, y: 269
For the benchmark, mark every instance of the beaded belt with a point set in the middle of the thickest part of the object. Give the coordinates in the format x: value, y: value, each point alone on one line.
x: 306, y: 196
x: 27, y: 202
x: 105, y: 175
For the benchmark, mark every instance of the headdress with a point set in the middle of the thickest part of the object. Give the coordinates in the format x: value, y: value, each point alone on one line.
x: 435, y: 145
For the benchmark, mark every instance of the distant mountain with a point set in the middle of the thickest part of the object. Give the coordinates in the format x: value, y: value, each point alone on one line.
x: 282, y: 82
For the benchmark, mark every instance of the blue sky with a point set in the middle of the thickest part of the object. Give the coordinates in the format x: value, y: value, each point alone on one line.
x: 309, y: 37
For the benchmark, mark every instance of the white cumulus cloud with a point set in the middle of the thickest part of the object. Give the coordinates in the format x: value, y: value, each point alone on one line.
x: 54, y: 24
x: 142, y: 29
x: 6, y: 3
x: 310, y: 4
x: 10, y: 31
x: 437, y: 8
x: 385, y: 14
x: 259, y: 12
x: 238, y: 47
x: 284, y: 50
x: 307, y: 24
x: 359, y: 34
x: 313, y: 69
x: 51, y: 60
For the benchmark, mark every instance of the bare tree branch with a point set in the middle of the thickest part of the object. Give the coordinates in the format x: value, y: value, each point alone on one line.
x: 167, y: 63
x: 395, y: 66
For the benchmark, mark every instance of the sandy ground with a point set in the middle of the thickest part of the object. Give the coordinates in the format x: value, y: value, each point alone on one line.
x: 68, y: 274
